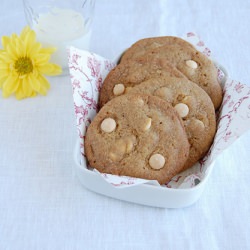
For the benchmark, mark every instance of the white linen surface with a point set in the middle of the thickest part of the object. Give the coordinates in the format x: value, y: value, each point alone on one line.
x: 42, y: 203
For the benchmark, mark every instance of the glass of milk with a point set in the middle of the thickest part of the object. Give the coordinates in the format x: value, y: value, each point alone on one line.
x: 60, y: 24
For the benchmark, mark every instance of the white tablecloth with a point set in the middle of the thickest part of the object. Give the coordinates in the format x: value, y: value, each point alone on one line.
x: 42, y: 203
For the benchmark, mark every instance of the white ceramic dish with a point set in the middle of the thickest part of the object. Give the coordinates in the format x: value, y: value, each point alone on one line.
x: 144, y: 194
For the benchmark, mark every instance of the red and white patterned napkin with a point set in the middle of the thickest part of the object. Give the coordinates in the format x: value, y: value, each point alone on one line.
x: 87, y: 72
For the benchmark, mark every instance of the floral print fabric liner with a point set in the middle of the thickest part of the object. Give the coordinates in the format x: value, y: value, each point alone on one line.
x: 87, y: 72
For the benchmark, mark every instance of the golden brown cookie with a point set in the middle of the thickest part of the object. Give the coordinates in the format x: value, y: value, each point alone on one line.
x: 194, y: 107
x: 137, y: 135
x: 193, y: 64
x: 144, y: 45
x: 126, y: 75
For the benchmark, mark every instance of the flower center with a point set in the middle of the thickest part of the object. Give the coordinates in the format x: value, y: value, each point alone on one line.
x: 23, y: 65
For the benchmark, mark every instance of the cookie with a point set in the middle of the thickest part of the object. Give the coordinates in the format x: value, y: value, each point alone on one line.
x: 137, y: 135
x: 126, y: 75
x: 194, y: 107
x: 142, y: 46
x: 193, y: 64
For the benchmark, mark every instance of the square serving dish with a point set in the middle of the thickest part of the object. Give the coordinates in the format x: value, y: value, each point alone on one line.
x: 87, y: 72
x: 144, y: 194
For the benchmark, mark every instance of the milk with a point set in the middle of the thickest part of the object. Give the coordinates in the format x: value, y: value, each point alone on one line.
x: 61, y: 28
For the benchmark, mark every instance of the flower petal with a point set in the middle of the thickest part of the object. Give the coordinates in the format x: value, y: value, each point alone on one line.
x: 5, y: 41
x: 44, y: 85
x: 21, y: 48
x: 24, y: 32
x: 5, y: 57
x: 33, y: 50
x: 32, y: 46
x: 12, y: 51
x: 22, y: 91
x: 34, y: 82
x: 26, y: 86
x: 19, y: 92
x: 2, y: 80
x: 50, y: 69
x: 41, y: 59
x: 10, y: 85
x: 48, y: 50
x: 29, y: 38
x: 4, y: 67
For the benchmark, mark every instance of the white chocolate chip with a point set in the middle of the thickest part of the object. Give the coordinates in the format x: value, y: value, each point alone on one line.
x: 130, y: 143
x: 147, y: 124
x: 118, y: 150
x: 118, y: 89
x: 114, y: 157
x: 164, y: 93
x: 157, y: 161
x: 199, y: 124
x: 191, y: 64
x: 108, y: 125
x: 182, y: 109
x: 121, y: 147
x: 129, y: 146
x: 140, y: 102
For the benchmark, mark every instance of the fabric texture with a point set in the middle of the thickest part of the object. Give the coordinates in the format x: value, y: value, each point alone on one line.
x: 42, y: 203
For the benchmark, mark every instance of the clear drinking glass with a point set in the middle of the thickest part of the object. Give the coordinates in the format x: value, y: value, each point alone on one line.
x: 61, y: 24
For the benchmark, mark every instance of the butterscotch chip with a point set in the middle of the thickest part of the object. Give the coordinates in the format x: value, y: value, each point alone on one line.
x: 130, y: 143
x: 198, y: 124
x: 147, y: 124
x: 155, y: 153
x: 128, y: 89
x: 194, y: 107
x: 108, y: 125
x: 132, y: 73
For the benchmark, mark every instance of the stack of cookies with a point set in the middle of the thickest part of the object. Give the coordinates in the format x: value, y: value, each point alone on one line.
x: 157, y: 115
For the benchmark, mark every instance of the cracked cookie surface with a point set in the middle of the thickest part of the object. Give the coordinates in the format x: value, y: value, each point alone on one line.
x: 127, y: 75
x: 146, y: 44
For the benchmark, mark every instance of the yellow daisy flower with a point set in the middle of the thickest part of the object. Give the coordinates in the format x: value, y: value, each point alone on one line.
x: 23, y: 62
